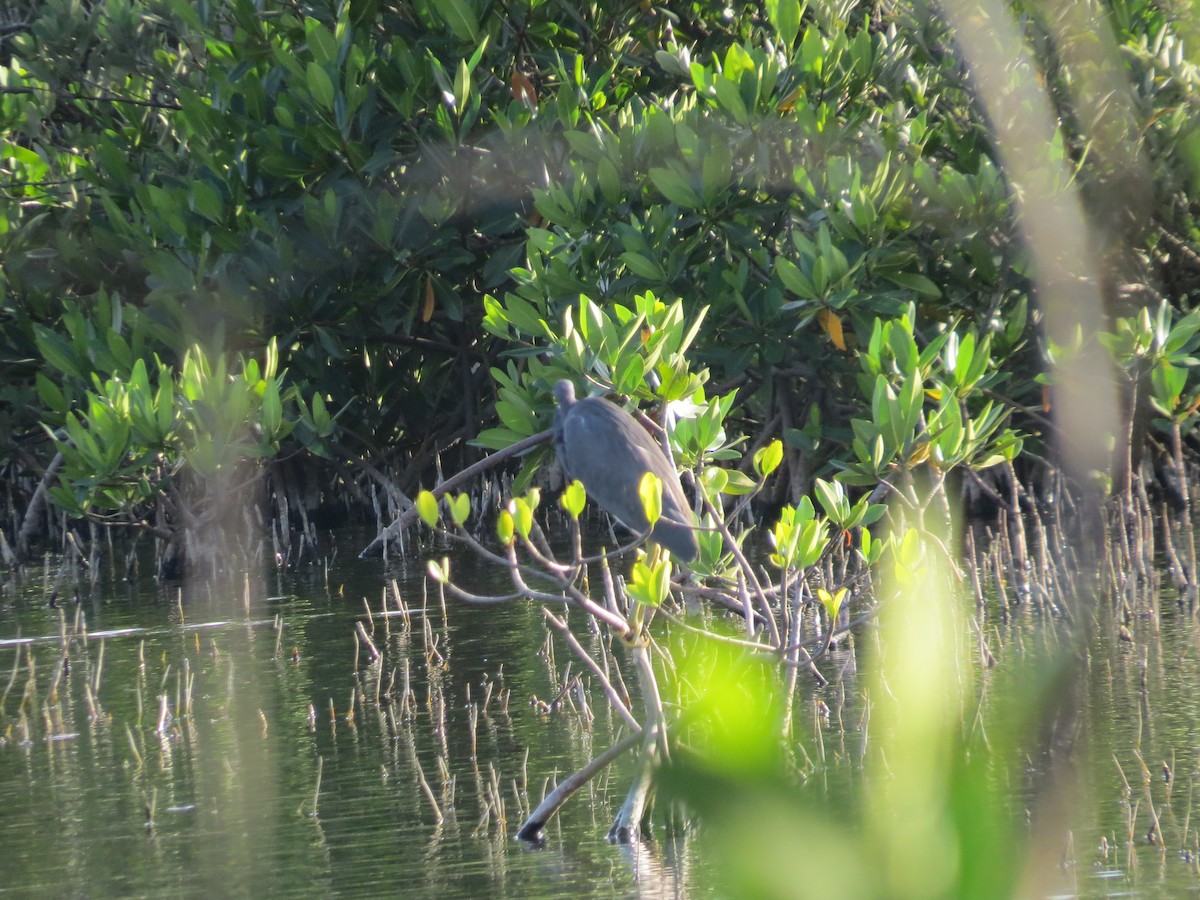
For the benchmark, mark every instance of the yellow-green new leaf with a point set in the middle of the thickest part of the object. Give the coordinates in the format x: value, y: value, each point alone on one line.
x: 650, y: 493
x: 714, y: 480
x: 650, y: 584
x: 767, y: 459
x: 573, y: 499
x: 505, y: 528
x: 427, y: 508
x: 737, y: 483
x: 460, y: 508
x: 522, y: 516
x: 831, y: 602
x: 439, y: 572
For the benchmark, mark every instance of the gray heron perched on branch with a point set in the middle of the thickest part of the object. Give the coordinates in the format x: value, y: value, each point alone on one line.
x: 605, y: 448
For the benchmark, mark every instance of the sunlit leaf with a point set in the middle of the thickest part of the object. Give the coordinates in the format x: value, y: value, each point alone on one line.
x: 785, y: 17
x: 439, y: 571
x: 831, y: 323
x: 522, y: 515
x: 831, y: 602
x: 768, y: 458
x: 714, y: 479
x: 650, y: 584
x: 427, y: 508
x: 460, y: 508
x: 505, y: 528
x: 737, y: 483
x: 650, y: 494
x: 573, y: 499
x: 832, y: 496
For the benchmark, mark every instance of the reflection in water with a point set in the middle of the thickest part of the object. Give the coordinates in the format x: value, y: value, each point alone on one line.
x: 660, y: 872
x: 305, y: 743
x: 205, y: 744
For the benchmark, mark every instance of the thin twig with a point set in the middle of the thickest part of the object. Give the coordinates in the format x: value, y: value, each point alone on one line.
x: 406, y: 518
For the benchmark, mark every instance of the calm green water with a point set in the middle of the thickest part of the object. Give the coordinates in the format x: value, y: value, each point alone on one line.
x: 274, y: 697
x: 180, y: 752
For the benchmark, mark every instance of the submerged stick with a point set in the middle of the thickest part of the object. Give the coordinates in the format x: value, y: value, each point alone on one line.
x: 531, y: 830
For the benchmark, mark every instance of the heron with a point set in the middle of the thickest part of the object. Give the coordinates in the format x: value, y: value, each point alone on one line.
x: 604, y: 447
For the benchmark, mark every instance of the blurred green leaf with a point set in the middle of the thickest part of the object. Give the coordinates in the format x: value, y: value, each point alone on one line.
x: 427, y: 508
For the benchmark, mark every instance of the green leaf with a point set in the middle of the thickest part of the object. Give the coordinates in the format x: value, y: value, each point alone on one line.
x: 320, y: 416
x: 272, y: 410
x: 505, y: 529
x: 497, y: 438
x: 879, y: 454
x: 767, y: 459
x: 462, y: 86
x: 51, y: 395
x: 461, y: 18
x: 320, y: 85
x: 609, y: 177
x: 427, y: 508
x: 522, y: 515
x: 785, y: 18
x: 1017, y: 319
x: 675, y: 187
x: 1168, y: 381
x: 717, y: 174
x: 795, y: 280
x: 650, y: 585
x: 573, y: 498
x: 915, y: 282
x: 831, y: 602
x: 811, y: 544
x: 64, y: 499
x: 650, y: 493
x: 321, y: 42
x: 832, y: 496
x: 57, y: 351
x: 631, y: 376
x: 439, y: 571
x: 714, y: 480
x: 164, y: 405
x: 738, y: 483
x: 730, y: 99
x: 964, y: 358
x: 873, y: 549
x: 643, y: 266
x: 206, y: 201
x: 460, y: 508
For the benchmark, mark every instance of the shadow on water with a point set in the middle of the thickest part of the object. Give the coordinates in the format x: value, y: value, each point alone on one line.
x: 307, y: 736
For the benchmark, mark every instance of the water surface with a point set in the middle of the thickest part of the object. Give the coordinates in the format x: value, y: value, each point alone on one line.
x: 237, y: 737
